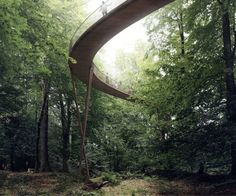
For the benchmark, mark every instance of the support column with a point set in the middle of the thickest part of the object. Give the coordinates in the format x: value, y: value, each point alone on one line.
x: 83, y: 127
x: 79, y: 122
x: 86, y: 112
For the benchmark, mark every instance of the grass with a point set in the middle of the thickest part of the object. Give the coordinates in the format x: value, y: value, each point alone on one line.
x: 27, y: 184
x: 71, y: 185
x: 131, y: 187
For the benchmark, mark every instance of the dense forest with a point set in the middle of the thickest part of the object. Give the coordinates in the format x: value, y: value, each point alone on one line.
x: 181, y: 117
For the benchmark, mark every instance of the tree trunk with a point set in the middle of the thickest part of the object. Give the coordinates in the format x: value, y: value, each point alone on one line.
x: 233, y: 157
x: 229, y: 74
x: 229, y: 77
x: 42, y: 162
x: 66, y: 122
x: 181, y: 32
x: 12, y: 154
x: 201, y: 169
x: 36, y: 167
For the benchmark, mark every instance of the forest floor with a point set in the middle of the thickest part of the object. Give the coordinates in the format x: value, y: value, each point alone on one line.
x: 21, y: 184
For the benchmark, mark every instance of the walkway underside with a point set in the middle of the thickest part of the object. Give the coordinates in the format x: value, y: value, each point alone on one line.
x: 102, y: 31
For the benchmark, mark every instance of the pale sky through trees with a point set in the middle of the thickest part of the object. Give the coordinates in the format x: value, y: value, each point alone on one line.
x: 126, y: 40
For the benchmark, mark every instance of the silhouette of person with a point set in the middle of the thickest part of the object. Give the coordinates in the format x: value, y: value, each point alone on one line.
x: 107, y: 78
x: 104, y: 8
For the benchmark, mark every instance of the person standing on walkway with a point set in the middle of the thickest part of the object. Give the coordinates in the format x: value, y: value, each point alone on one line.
x: 107, y: 78
x: 104, y: 8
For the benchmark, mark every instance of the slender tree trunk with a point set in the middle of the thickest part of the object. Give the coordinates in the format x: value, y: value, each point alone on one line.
x: 233, y: 157
x: 42, y: 162
x: 68, y: 128
x: 229, y: 74
x: 66, y: 122
x: 37, y: 150
x: 37, y: 141
x: 12, y: 154
x: 229, y: 54
x: 64, y: 143
x: 181, y: 32
x: 201, y: 169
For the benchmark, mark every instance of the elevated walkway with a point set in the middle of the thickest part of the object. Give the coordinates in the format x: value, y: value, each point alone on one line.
x: 96, y: 30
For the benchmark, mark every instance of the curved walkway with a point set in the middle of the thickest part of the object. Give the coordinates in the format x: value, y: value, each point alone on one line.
x: 96, y: 30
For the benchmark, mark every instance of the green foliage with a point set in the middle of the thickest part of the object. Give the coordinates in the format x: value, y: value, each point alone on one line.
x: 185, y: 90
x: 111, y: 177
x: 178, y: 120
x: 32, y: 50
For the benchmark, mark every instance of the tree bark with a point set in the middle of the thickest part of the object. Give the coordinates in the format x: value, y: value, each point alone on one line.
x: 79, y: 125
x: 229, y: 74
x: 229, y: 54
x: 66, y: 123
x: 181, y: 32
x: 42, y: 163
x: 36, y: 167
x: 12, y: 154
x: 233, y: 157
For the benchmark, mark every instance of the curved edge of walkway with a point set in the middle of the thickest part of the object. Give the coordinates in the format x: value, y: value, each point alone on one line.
x: 88, y: 44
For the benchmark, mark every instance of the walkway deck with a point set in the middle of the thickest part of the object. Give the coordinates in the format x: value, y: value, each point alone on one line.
x: 84, y: 49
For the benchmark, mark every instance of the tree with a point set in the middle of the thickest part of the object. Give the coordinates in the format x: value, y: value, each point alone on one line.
x: 229, y: 48
x: 182, y: 107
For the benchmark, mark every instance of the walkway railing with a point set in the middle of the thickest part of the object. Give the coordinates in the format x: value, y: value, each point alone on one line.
x: 111, y: 82
x: 94, y: 17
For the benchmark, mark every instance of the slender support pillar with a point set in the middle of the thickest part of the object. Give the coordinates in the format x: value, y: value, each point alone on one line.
x: 79, y: 123
x: 83, y: 127
x: 86, y: 112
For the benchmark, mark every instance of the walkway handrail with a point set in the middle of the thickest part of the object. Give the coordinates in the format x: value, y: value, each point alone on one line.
x: 110, y: 81
x: 92, y: 18
x: 79, y: 27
